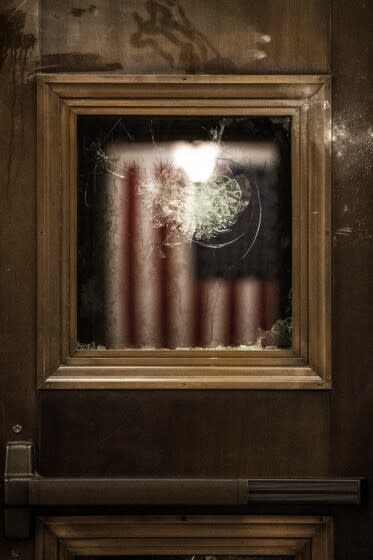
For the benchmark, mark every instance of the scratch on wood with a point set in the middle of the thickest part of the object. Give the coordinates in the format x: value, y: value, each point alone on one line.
x: 344, y: 231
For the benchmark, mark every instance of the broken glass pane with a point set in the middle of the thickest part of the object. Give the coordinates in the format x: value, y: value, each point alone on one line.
x: 184, y: 232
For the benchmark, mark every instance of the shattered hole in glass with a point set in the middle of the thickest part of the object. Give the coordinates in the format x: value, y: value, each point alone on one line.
x: 184, y: 232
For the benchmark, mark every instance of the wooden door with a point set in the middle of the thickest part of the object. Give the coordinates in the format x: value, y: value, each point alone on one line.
x: 199, y: 433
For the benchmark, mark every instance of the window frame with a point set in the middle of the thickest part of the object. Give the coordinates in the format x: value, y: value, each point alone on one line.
x: 306, y: 99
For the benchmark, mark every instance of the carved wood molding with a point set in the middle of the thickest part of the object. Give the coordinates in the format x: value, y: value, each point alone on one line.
x: 68, y: 538
x: 306, y: 100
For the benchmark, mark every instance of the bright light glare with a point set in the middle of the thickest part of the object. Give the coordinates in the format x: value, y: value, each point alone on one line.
x: 198, y: 161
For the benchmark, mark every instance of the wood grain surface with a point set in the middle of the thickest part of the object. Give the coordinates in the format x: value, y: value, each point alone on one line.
x: 203, y: 433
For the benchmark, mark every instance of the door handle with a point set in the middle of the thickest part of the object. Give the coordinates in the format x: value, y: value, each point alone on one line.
x: 25, y: 489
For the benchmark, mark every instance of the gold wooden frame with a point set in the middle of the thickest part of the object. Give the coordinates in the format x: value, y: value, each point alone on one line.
x: 306, y: 99
x: 68, y: 538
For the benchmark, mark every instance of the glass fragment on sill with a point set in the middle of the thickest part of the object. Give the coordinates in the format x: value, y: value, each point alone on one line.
x: 184, y: 233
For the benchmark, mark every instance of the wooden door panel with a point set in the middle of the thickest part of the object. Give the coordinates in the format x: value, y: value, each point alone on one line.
x: 21, y: 49
x: 302, y: 538
x: 351, y: 400
x: 200, y: 433
x: 143, y: 433
x: 184, y: 36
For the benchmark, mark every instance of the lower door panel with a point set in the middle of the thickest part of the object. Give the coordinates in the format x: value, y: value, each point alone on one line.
x: 192, y: 537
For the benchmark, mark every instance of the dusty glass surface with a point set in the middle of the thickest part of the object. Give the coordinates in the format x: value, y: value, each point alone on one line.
x: 184, y: 232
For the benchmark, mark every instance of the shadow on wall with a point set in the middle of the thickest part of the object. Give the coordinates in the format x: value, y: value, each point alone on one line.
x: 14, y: 43
x: 167, y: 30
x: 16, y: 46
x: 15, y: 49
